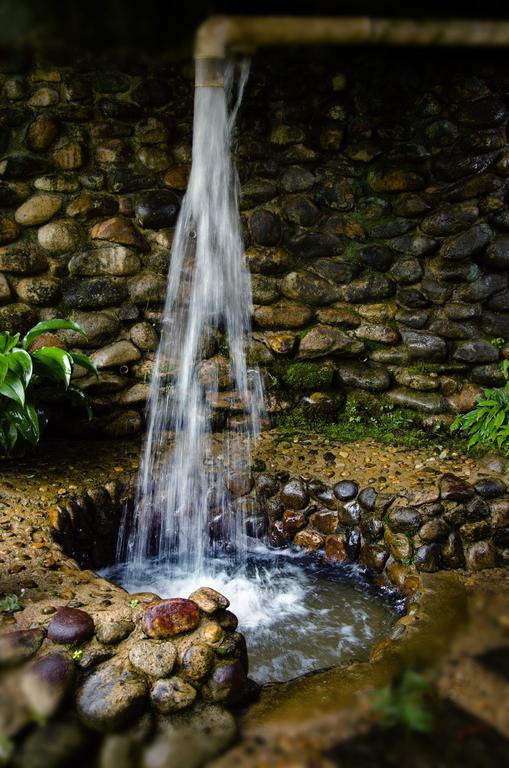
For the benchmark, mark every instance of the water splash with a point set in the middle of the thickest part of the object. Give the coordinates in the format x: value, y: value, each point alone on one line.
x: 184, y: 478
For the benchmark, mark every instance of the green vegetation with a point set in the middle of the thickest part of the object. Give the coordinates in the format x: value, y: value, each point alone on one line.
x: 30, y: 373
x: 10, y: 604
x: 487, y: 424
x: 405, y: 703
x: 6, y: 750
x: 308, y: 375
x: 368, y: 416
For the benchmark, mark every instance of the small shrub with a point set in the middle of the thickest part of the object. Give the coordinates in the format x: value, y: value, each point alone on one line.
x: 487, y: 424
x: 25, y: 372
x: 405, y: 703
x: 10, y: 604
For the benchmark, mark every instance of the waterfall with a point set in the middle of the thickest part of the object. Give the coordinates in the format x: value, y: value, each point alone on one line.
x: 183, y: 511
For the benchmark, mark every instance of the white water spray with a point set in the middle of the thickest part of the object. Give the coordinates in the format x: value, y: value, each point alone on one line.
x: 183, y: 511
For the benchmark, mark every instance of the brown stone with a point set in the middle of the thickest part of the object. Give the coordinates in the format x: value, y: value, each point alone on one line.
x: 170, y: 617
x: 395, y: 180
x: 335, y: 548
x: 41, y: 133
x: 453, y: 488
x: 70, y: 625
x: 208, y: 600
x: 69, y: 156
x: 283, y: 316
x: 62, y: 236
x: 309, y: 540
x: 324, y: 520
x: 172, y: 695
x: 282, y: 343
x: 9, y: 230
x: 177, y: 177
x: 46, y: 683
x: 325, y: 339
x: 465, y: 399
x: 155, y: 158
x: 20, y: 645
x: 38, y: 209
x: 122, y: 231
x: 293, y: 521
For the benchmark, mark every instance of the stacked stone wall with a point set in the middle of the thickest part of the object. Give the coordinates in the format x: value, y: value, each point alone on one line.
x: 374, y: 197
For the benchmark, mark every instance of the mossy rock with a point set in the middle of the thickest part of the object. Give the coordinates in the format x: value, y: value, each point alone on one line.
x: 304, y: 376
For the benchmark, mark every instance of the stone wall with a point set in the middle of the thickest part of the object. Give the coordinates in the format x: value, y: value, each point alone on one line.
x: 374, y: 199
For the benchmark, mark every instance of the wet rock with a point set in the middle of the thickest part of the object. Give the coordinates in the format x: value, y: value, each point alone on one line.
x: 19, y: 646
x: 227, y: 683
x: 126, y: 424
x: 399, y: 545
x: 404, y: 520
x: 336, y: 270
x: 426, y: 402
x: 465, y: 399
x: 38, y: 209
x: 113, y: 631
x: 497, y: 254
x: 147, y: 288
x: 156, y: 209
x: 111, y: 697
x: 116, y: 354
x: 265, y: 227
x: 62, y: 236
x: 308, y: 288
x: 121, y: 231
x: 170, y: 617
x: 414, y: 244
x: 322, y: 340
x: 371, y: 377
x: 368, y: 289
x: 269, y: 261
x: 114, y: 260
x: 475, y: 351
x: 156, y: 659
x: 99, y: 327
x: 22, y: 166
x: 197, y: 662
x: 208, y: 600
x: 309, y: 540
x: 297, y: 179
x: 256, y: 191
x: 336, y: 548
x: 346, y: 490
x: 294, y: 495
x: 16, y: 318
x: 490, y: 487
x: 324, y: 521
x: 450, y: 219
x: 70, y: 625
x: 69, y: 155
x: 299, y: 210
x: 53, y: 745
x: 424, y: 346
x: 367, y: 498
x: 41, y: 133
x: 480, y: 556
x: 379, y: 257
x: 428, y: 558
x: 144, y: 336
x: 265, y: 290
x: 453, y: 488
x: 406, y: 271
x: 40, y: 291
x: 452, y: 551
x: 277, y: 536
x: 434, y: 530
x: 93, y: 293
x: 395, y: 180
x: 374, y: 556
x: 46, y: 683
x: 467, y: 244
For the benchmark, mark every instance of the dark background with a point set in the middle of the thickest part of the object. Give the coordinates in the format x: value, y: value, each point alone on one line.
x: 158, y: 24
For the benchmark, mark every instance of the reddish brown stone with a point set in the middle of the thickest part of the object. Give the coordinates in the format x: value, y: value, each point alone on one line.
x: 309, y: 540
x: 335, y: 548
x: 324, y: 520
x: 121, y: 231
x: 283, y: 316
x: 170, y: 617
x: 454, y: 488
x: 277, y: 536
x: 70, y: 625
x: 293, y: 521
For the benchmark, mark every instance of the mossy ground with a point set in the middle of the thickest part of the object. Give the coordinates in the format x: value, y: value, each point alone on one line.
x: 367, y: 416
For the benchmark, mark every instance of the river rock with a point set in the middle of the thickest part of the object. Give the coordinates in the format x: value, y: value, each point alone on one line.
x: 114, y: 260
x: 99, y: 327
x: 490, y: 487
x: 497, y: 254
x: 156, y: 209
x: 480, y: 555
x: 172, y: 695
x: 144, y: 336
x: 428, y: 558
x: 309, y: 540
x: 121, y: 231
x: 308, y: 288
x: 197, y: 662
x: 71, y: 625
x: 426, y: 402
x: 371, y: 377
x: 450, y: 219
x: 61, y: 236
x: 227, y: 683
x: 93, y: 293
x: 111, y: 697
x: 113, y: 631
x: 38, y: 209
x: 404, y: 520
x: 322, y: 340
x: 40, y: 291
x: 281, y: 315
x: 19, y: 646
x: 294, y: 495
x: 156, y: 659
x: 41, y: 133
x: 424, y: 346
x: 46, y: 683
x: 475, y: 351
x: 69, y: 155
x: 208, y: 600
x: 346, y: 490
x: 170, y: 617
x: 467, y: 244
x: 370, y: 288
x: 454, y: 488
x: 116, y: 354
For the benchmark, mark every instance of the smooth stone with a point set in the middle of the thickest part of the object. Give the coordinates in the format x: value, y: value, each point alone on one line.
x: 147, y: 288
x: 38, y: 209
x: 404, y: 520
x: 294, y: 495
x: 309, y: 288
x: 111, y: 697
x: 126, y: 424
x: 467, y: 244
x: 434, y: 530
x: 40, y: 291
x: 424, y: 346
x: 99, y: 327
x: 227, y: 683
x: 490, y: 487
x: 281, y: 315
x: 93, y: 293
x: 369, y: 288
x: 156, y: 209
x: 144, y: 336
x: 426, y: 402
x: 114, y: 260
x: 156, y: 659
x: 336, y: 548
x: 346, y: 490
x: 395, y: 180
x: 452, y: 551
x: 112, y: 632
x: 480, y: 555
x: 337, y: 270
x: 61, y: 742
x: 450, y: 219
x: 475, y: 351
x: 170, y: 617
x: 209, y: 600
x: 323, y: 339
x: 172, y: 695
x: 71, y: 625
x: 121, y: 231
x: 309, y: 540
x: 453, y: 488
x: 41, y: 133
x: 62, y: 236
x: 19, y: 646
x: 46, y: 683
x: 364, y: 376
x: 116, y: 354
x: 197, y: 662
x: 428, y: 558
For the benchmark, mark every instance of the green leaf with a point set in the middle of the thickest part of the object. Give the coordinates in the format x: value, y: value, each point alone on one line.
x: 4, y: 367
x: 8, y: 341
x: 13, y: 389
x: 56, y: 361
x: 51, y: 325
x: 78, y: 397
x: 26, y: 421
x: 84, y: 361
x: 20, y: 363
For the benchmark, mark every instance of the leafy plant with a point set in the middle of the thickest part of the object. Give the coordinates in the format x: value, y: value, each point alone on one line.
x: 404, y: 703
x: 10, y: 604
x: 487, y: 424
x: 25, y: 370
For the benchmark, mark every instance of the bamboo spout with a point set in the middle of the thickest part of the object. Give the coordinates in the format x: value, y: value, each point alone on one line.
x: 220, y: 35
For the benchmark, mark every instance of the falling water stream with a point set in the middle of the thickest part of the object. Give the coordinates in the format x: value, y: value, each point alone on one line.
x: 186, y: 532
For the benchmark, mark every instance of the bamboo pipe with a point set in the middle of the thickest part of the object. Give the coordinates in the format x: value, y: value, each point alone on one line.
x: 220, y: 35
